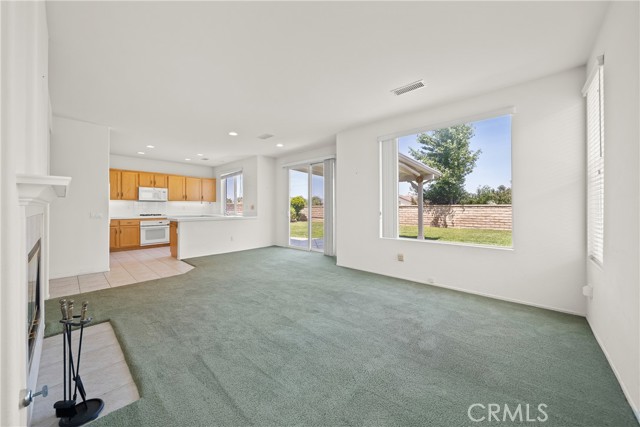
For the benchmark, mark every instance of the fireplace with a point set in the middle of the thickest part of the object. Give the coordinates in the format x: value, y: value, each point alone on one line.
x: 34, y: 296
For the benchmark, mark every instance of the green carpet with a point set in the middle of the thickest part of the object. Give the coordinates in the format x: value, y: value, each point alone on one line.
x: 279, y: 337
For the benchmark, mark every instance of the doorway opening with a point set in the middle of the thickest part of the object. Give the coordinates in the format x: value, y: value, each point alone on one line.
x: 307, y: 208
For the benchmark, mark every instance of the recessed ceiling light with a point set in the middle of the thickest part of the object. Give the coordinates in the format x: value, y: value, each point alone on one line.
x: 200, y: 154
x: 151, y: 146
x: 279, y: 145
x: 187, y: 159
x: 233, y: 133
x: 140, y: 152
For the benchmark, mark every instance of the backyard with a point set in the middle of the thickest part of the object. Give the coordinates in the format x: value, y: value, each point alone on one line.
x: 300, y: 229
x: 466, y: 235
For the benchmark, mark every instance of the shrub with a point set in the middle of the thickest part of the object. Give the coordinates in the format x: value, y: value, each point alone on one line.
x: 298, y: 203
x: 292, y: 215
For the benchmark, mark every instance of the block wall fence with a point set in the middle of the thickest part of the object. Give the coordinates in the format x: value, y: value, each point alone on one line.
x: 496, y: 217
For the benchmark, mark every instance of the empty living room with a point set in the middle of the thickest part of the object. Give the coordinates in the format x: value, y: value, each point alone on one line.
x: 319, y: 213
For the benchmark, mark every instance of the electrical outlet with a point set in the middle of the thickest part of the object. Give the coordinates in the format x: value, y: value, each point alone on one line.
x: 401, y: 257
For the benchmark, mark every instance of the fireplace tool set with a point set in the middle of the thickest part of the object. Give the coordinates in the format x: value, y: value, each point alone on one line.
x: 70, y: 413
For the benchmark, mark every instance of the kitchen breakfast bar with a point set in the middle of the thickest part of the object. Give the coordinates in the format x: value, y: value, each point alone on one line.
x: 201, y: 235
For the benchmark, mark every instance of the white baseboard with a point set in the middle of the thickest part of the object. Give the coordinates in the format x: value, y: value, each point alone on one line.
x: 482, y: 294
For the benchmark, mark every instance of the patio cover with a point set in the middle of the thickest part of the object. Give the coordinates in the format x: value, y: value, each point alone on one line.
x: 413, y: 171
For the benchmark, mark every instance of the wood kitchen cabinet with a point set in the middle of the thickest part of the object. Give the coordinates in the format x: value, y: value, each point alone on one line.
x: 176, y: 188
x: 193, y: 189
x: 124, y: 234
x: 208, y: 190
x: 150, y: 179
x: 114, y: 229
x: 123, y: 185
x: 189, y: 189
x: 173, y: 238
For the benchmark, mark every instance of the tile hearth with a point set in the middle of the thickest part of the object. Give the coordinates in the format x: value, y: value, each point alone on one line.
x: 105, y: 374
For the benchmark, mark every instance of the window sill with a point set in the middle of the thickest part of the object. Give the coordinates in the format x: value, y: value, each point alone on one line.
x: 447, y: 243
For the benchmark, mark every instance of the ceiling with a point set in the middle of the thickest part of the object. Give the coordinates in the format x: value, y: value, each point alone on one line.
x: 182, y: 75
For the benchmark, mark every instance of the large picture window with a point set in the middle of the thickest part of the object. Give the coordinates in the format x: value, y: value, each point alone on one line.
x: 232, y: 193
x: 453, y: 184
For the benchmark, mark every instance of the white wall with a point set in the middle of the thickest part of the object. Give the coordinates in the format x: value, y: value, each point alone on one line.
x: 614, y: 311
x: 150, y: 165
x: 222, y: 236
x: 79, y: 223
x: 281, y: 202
x: 23, y: 150
x: 546, y: 266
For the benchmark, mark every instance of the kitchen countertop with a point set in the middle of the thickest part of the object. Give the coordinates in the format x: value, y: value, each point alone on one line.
x: 206, y: 217
x: 137, y: 217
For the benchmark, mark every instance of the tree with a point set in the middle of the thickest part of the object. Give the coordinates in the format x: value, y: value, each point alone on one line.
x: 486, y: 195
x: 447, y: 150
x: 298, y: 203
x: 316, y: 201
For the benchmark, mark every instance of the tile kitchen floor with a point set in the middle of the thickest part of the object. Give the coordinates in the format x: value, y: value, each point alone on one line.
x: 126, y: 267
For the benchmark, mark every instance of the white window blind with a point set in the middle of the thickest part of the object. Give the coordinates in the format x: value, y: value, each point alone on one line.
x: 389, y: 188
x: 595, y: 165
x: 329, y: 207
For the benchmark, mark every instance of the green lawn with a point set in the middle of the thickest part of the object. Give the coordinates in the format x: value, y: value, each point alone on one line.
x: 299, y: 229
x: 464, y: 235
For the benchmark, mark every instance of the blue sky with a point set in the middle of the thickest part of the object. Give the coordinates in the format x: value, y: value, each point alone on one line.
x: 298, y: 184
x: 493, y: 168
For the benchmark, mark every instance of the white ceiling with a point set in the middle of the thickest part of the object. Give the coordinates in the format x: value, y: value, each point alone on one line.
x: 181, y: 75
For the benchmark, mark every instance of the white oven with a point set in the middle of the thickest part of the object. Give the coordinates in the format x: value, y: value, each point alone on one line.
x: 154, y: 232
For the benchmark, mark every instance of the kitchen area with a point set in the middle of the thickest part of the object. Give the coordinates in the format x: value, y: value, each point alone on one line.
x: 142, y: 203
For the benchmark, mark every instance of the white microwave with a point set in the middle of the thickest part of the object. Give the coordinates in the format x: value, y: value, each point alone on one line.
x: 150, y: 194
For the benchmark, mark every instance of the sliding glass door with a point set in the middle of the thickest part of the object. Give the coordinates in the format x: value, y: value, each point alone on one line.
x: 306, y: 207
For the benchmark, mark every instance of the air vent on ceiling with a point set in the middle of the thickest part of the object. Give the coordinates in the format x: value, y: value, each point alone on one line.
x: 265, y: 136
x: 408, y: 88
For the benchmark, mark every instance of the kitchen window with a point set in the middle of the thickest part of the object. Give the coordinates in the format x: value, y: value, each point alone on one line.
x: 232, y: 193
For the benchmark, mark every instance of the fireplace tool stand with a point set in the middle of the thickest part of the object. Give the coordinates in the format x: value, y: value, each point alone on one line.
x: 70, y: 413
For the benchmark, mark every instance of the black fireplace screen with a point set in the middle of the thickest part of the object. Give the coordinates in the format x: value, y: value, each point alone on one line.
x: 33, y: 303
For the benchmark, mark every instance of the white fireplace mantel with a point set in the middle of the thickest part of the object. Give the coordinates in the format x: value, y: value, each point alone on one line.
x: 42, y: 188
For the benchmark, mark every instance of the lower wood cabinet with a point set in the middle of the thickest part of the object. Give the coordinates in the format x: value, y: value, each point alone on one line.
x: 173, y: 238
x: 124, y: 234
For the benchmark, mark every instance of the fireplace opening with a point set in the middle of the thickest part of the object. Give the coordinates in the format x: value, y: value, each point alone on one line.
x: 34, y: 311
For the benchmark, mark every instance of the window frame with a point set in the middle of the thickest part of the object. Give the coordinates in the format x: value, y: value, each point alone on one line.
x: 384, y: 228
x: 595, y: 162
x: 223, y: 181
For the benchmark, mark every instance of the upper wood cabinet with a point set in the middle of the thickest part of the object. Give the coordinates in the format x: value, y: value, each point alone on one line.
x: 193, y: 189
x: 123, y: 185
x: 176, y: 188
x: 114, y: 184
x: 208, y: 190
x: 150, y: 179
